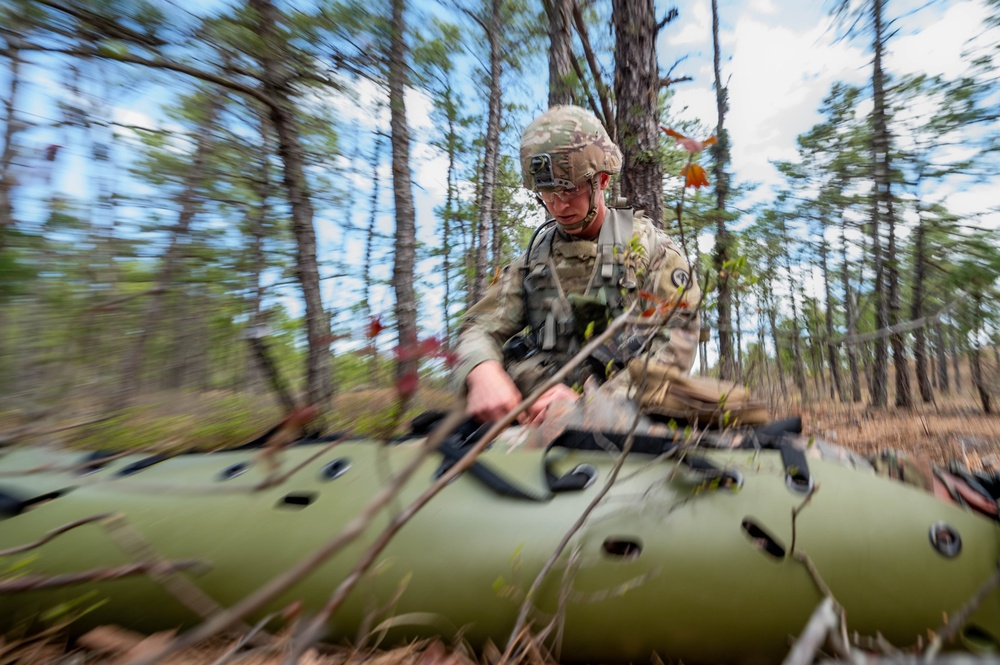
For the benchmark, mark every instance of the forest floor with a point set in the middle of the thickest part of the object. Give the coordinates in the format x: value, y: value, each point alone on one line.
x: 954, y: 428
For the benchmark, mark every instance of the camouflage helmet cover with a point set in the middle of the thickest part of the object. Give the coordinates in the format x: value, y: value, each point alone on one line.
x: 565, y: 147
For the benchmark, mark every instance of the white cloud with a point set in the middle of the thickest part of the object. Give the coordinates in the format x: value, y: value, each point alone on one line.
x: 938, y: 47
x: 697, y: 26
x: 764, y: 7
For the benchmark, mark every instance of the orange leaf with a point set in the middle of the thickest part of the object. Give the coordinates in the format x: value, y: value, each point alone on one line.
x: 690, y: 145
x: 694, y: 176
x: 646, y: 295
x: 649, y: 312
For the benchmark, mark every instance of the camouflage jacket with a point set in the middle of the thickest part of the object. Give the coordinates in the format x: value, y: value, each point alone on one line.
x: 659, y: 268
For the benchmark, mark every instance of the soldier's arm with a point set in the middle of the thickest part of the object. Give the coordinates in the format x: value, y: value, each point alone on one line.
x: 670, y: 280
x: 490, y: 323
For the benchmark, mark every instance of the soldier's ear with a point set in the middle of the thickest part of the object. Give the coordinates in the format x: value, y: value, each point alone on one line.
x: 604, y: 180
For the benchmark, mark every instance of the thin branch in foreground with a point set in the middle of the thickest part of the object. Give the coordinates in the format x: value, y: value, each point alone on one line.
x: 795, y: 514
x: 281, y: 583
x: 58, y: 531
x: 35, y: 582
x: 131, y: 542
x: 822, y: 623
x: 313, y: 630
x: 957, y: 619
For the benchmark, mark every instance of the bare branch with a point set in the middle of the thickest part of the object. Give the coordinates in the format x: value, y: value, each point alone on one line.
x: 35, y: 582
x: 155, y: 63
x: 666, y: 81
x: 278, y: 585
x: 58, y: 531
x: 602, y: 90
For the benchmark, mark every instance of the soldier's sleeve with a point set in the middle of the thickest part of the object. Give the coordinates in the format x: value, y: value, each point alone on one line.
x: 488, y: 325
x: 670, y: 279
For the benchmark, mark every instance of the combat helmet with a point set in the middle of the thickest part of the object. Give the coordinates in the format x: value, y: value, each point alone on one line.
x: 564, y: 148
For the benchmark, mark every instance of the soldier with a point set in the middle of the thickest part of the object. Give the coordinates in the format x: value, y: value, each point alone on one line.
x: 588, y: 263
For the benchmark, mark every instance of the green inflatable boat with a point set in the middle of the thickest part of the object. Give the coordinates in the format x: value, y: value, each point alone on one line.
x: 689, y: 555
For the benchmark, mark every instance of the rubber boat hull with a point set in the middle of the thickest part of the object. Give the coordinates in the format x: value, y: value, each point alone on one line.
x: 667, y: 563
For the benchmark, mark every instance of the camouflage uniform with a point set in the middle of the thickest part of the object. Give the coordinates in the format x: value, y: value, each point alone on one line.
x: 565, y: 148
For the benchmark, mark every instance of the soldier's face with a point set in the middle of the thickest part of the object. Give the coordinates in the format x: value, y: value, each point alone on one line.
x: 569, y: 207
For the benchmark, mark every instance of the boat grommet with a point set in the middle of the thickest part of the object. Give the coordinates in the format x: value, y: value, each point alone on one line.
x: 588, y: 470
x: 945, y: 539
x: 798, y: 482
x: 234, y: 471
x: 622, y: 547
x: 731, y: 480
x: 335, y: 469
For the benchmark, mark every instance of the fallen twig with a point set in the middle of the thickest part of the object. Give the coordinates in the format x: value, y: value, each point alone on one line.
x: 278, y: 585
x: 35, y: 582
x: 957, y: 619
x: 822, y: 623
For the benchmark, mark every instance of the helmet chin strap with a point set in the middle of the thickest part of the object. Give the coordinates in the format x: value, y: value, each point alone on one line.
x: 591, y: 215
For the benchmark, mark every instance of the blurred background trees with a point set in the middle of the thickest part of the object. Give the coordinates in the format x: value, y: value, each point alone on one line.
x: 195, y: 199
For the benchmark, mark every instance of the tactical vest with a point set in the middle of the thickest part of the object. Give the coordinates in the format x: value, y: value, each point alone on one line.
x: 550, y: 313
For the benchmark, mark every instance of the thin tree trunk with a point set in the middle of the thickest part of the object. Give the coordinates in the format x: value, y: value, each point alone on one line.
x: 10, y: 132
x: 833, y: 356
x: 800, y: 372
x: 975, y: 358
x: 772, y: 320
x: 636, y: 86
x: 917, y: 312
x: 942, y: 359
x: 720, y: 152
x: 402, y: 188
x: 275, y: 85
x: 369, y: 313
x: 956, y: 348
x: 449, y: 214
x: 490, y: 153
x: 849, y: 316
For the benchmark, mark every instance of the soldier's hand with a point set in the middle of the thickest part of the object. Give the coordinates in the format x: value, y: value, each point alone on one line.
x: 538, y: 410
x: 491, y: 392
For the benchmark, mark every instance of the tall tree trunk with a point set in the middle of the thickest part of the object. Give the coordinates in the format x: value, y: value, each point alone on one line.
x: 275, y: 84
x: 849, y: 316
x: 11, y: 126
x: 942, y: 359
x: 833, y: 357
x: 956, y: 349
x: 772, y: 321
x: 800, y: 371
x: 372, y: 232
x: 636, y: 86
x: 189, y: 204
x: 490, y: 151
x: 449, y: 215
x: 975, y: 358
x: 402, y: 188
x: 559, y: 13
x: 917, y: 311
x: 720, y: 151
x: 888, y: 312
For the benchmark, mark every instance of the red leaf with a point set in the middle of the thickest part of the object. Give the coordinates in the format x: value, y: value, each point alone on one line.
x: 649, y: 312
x: 407, y: 384
x: 375, y: 327
x: 646, y: 295
x: 694, y: 176
x: 450, y: 358
x: 429, y: 347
